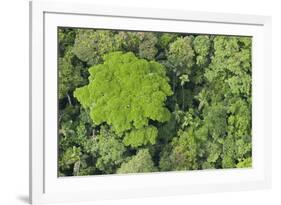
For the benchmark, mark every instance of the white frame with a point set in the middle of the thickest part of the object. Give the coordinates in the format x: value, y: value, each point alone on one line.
x: 46, y: 187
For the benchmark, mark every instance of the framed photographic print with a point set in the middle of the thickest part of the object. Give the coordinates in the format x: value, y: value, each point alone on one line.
x: 130, y: 102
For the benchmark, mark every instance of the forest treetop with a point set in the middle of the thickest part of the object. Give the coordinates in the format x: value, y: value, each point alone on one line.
x: 150, y: 101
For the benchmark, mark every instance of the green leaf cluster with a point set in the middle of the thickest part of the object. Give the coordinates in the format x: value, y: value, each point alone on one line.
x: 140, y: 163
x: 126, y: 92
x: 91, y: 46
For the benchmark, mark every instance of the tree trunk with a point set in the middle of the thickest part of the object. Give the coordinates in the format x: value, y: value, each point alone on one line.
x: 69, y: 99
x: 174, y: 82
x: 182, y: 107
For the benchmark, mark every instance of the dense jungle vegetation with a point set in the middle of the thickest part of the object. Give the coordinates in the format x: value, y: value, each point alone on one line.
x: 148, y: 101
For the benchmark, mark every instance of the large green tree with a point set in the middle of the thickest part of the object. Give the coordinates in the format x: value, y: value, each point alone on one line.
x: 126, y: 93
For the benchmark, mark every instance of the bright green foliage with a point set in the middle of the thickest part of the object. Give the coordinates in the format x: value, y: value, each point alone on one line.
x: 139, y: 163
x: 146, y: 101
x: 125, y: 92
x: 231, y: 57
x: 90, y: 46
x: 142, y: 136
x: 202, y: 45
x: 184, y: 79
x: 245, y: 163
x: 227, y: 111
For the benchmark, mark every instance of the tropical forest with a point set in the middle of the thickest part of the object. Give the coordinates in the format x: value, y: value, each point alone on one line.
x: 142, y: 102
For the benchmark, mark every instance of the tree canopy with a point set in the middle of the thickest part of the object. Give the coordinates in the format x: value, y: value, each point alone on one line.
x: 126, y: 92
x: 133, y: 102
x: 141, y: 162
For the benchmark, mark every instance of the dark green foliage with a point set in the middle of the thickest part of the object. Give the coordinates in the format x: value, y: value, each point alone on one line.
x: 132, y: 102
x: 181, y: 55
x: 202, y: 46
x: 129, y: 41
x: 70, y: 156
x: 165, y: 39
x: 69, y: 74
x: 147, y: 47
x: 91, y: 45
x: 215, y: 120
x: 139, y: 163
x: 66, y: 39
x: 70, y: 68
x: 182, y: 154
x: 109, y: 151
